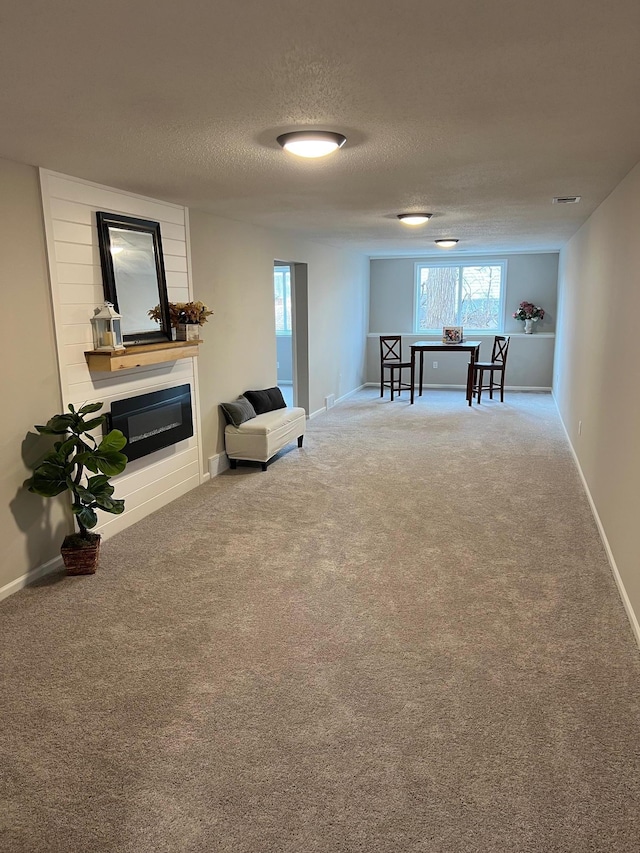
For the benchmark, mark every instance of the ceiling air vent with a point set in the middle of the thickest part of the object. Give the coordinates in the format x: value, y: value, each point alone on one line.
x: 567, y: 199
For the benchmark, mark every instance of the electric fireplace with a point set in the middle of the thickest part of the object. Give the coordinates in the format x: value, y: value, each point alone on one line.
x: 153, y: 421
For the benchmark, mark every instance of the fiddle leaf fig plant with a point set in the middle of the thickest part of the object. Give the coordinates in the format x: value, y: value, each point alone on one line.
x: 65, y: 467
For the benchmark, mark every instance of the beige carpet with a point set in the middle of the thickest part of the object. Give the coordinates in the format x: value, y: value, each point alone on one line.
x: 404, y: 637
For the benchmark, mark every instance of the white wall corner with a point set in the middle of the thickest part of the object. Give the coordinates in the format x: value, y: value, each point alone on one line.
x: 217, y: 464
x: 631, y: 615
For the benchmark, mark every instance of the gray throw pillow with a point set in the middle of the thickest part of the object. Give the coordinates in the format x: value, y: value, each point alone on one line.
x: 239, y: 411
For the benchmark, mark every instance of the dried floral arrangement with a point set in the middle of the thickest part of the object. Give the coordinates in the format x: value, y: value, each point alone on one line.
x: 183, y: 313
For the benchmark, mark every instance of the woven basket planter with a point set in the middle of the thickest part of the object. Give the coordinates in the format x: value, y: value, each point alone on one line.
x: 80, y: 561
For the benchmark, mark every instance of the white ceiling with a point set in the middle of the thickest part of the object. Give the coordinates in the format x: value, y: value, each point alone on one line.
x: 479, y: 112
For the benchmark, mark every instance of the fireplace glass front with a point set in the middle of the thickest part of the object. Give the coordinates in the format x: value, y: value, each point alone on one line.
x: 153, y: 421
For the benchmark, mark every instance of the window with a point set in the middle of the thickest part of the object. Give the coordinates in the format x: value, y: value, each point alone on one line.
x: 282, y: 293
x: 468, y: 295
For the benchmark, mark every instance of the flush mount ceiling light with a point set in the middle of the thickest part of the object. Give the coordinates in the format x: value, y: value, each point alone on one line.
x: 414, y: 218
x: 312, y: 143
x: 446, y: 244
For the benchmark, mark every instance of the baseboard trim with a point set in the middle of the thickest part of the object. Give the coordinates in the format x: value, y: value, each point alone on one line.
x: 31, y: 576
x: 217, y: 464
x: 543, y: 388
x: 631, y: 615
x: 425, y: 385
x: 344, y: 397
x: 349, y: 394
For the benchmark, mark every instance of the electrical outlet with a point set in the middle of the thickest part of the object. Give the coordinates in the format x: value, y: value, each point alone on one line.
x: 435, y: 365
x: 277, y: 365
x: 579, y: 427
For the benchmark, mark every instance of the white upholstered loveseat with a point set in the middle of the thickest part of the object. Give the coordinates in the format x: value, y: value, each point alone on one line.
x: 259, y: 436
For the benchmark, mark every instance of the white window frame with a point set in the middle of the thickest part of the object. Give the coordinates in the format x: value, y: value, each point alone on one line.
x: 460, y: 262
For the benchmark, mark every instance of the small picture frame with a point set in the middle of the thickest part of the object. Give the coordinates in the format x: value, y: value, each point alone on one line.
x: 452, y: 335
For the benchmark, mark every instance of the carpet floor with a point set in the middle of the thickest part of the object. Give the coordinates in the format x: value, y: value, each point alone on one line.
x: 403, y: 638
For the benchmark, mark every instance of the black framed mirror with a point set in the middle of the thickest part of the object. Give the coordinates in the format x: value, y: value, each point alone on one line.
x: 133, y: 275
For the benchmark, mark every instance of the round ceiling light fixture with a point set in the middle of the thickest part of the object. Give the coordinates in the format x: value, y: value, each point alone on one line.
x: 414, y: 218
x: 447, y: 243
x: 311, y: 143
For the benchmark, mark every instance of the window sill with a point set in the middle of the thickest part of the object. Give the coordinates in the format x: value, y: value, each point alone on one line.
x: 468, y: 335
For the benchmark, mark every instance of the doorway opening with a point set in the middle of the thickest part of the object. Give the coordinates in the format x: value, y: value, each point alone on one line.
x: 284, y: 330
x: 292, y: 344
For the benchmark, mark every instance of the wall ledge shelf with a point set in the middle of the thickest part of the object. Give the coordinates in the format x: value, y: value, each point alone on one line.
x: 472, y: 335
x: 140, y: 356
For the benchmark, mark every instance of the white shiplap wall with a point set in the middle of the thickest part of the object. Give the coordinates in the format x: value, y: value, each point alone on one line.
x: 70, y: 206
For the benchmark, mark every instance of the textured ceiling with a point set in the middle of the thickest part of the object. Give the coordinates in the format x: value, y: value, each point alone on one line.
x: 477, y: 112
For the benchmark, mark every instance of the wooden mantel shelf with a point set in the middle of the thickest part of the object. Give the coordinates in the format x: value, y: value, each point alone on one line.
x: 140, y: 356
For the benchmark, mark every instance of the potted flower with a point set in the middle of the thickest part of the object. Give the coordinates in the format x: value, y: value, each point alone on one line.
x: 185, y: 318
x: 530, y: 314
x: 64, y: 469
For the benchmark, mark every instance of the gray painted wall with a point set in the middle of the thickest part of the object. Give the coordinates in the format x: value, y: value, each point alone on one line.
x: 597, y: 369
x: 233, y: 274
x: 31, y: 528
x: 529, y: 364
x: 531, y: 277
